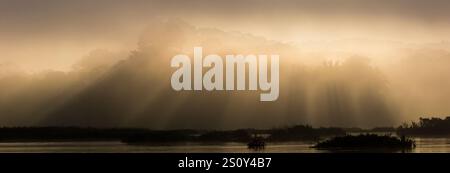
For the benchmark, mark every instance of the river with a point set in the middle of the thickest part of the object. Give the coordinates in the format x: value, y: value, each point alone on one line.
x: 424, y: 145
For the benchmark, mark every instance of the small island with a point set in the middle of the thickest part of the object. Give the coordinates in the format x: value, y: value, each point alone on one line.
x: 366, y: 141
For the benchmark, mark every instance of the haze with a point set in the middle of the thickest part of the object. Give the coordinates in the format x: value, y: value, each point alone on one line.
x: 351, y: 63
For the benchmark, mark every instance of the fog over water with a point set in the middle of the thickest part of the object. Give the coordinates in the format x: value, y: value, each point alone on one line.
x: 86, y: 63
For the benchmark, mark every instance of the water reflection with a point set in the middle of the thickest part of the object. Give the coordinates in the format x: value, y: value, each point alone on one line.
x: 424, y: 145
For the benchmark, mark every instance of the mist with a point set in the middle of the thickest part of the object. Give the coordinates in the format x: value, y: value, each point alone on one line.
x: 107, y: 63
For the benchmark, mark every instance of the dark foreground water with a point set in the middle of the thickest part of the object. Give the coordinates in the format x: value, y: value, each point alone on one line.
x: 424, y: 145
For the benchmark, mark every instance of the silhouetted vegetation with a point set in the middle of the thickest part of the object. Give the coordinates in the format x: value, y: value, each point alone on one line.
x: 294, y: 133
x: 303, y: 132
x: 426, y: 127
x: 257, y: 143
x: 372, y: 130
x: 159, y: 137
x: 226, y: 136
x: 146, y: 136
x: 366, y: 141
x: 30, y: 134
x: 182, y: 136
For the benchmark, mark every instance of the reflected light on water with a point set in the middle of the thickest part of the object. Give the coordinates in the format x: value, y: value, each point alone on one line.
x: 424, y: 145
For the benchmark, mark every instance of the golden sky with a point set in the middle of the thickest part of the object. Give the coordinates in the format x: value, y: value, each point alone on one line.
x: 60, y: 58
x: 38, y: 35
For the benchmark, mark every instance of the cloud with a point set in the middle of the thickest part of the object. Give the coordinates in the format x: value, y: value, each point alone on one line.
x: 136, y: 91
x: 132, y: 89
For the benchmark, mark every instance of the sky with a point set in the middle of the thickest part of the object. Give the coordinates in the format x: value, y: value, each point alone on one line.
x: 344, y: 62
x: 37, y: 35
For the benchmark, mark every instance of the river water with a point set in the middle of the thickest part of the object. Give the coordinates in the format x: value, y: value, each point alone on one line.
x: 424, y: 145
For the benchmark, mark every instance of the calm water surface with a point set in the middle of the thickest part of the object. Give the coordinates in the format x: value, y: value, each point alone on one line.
x: 424, y: 145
